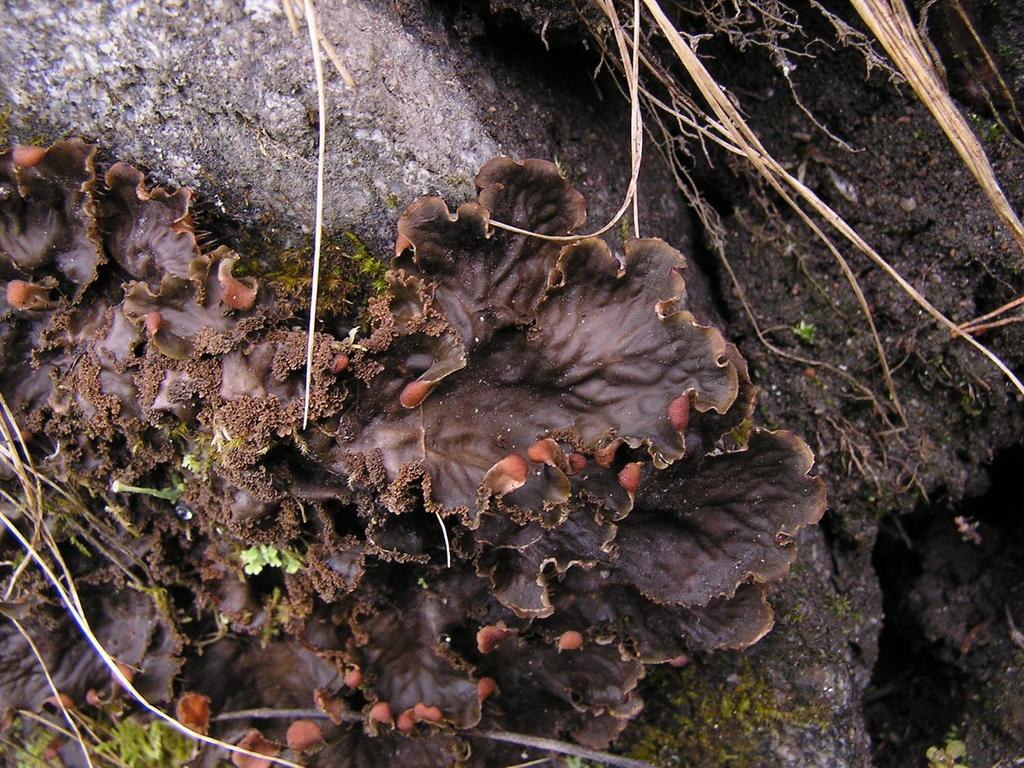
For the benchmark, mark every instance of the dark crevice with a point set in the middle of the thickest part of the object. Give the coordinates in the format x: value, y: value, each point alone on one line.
x: 913, y: 697
x: 706, y: 260
x: 562, y: 59
x: 945, y: 573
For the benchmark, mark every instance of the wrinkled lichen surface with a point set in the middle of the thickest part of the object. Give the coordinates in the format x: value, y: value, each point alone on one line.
x: 528, y: 476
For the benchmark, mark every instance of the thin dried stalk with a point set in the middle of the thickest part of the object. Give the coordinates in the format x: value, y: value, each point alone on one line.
x: 631, y: 66
x: 969, y: 326
x: 321, y: 94
x: 508, y: 737
x: 890, y: 22
x: 56, y: 693
x: 561, y: 747
x: 290, y: 15
x: 982, y: 327
x: 732, y: 125
x: 336, y: 60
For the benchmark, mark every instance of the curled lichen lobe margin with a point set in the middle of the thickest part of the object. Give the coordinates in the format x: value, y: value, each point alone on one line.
x: 550, y: 415
x: 561, y: 404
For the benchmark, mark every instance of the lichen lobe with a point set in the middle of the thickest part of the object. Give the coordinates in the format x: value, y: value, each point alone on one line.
x: 549, y: 415
x: 584, y: 389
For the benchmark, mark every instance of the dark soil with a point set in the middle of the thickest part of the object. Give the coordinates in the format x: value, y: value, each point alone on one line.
x: 896, y: 489
x: 949, y: 659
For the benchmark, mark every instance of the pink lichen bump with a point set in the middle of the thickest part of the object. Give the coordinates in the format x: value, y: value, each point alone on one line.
x: 303, y: 734
x: 24, y: 295
x: 353, y: 678
x: 380, y: 712
x: 402, y: 243
x: 487, y: 638
x: 154, y: 322
x: 414, y: 393
x: 629, y: 477
x: 253, y: 741
x: 424, y: 712
x: 577, y: 462
x: 26, y: 156
x: 236, y: 294
x: 543, y: 451
x: 679, y: 413
x: 193, y: 710
x: 405, y: 721
x: 485, y: 687
x: 570, y: 640
x: 340, y: 363
x: 507, y: 475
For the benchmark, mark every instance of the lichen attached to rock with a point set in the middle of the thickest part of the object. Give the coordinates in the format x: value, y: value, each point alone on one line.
x: 529, y: 472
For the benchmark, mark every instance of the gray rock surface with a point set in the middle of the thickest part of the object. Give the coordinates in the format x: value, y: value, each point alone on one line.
x: 219, y: 96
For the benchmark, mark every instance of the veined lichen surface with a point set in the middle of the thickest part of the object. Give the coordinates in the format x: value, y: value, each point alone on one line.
x: 547, y: 416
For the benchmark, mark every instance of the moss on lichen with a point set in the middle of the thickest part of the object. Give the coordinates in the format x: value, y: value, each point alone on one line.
x: 149, y: 745
x: 33, y: 751
x: 124, y: 742
x: 713, y: 723
x: 842, y: 607
x: 5, y: 118
x: 349, y: 274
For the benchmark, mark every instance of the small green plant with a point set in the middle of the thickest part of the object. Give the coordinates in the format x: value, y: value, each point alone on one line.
x: 152, y: 745
x: 255, y: 559
x: 32, y: 753
x: 804, y: 331
x: 278, y: 613
x: 951, y: 755
x: 5, y: 114
x: 624, y: 229
x: 578, y: 762
x: 741, y: 433
x: 370, y: 269
x: 125, y: 743
x: 841, y: 605
x: 223, y: 444
x: 171, y: 494
x: 197, y: 465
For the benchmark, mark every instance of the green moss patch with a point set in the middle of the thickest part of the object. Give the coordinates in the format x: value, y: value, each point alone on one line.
x: 713, y: 723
